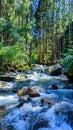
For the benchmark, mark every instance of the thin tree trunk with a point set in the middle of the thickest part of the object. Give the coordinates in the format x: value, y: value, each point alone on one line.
x: 0, y: 8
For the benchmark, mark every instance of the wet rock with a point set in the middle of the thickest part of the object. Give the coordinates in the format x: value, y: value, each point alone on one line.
x: 56, y: 70
x: 6, y: 78
x: 2, y: 112
x: 33, y: 92
x: 23, y: 100
x: 41, y: 123
x: 28, y: 91
x: 20, y: 104
x: 69, y: 74
x: 54, y: 86
x: 23, y: 92
x: 39, y: 68
x: 47, y: 101
x: 21, y: 77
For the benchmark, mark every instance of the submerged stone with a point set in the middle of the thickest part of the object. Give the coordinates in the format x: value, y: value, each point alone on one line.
x: 40, y: 123
x: 47, y: 101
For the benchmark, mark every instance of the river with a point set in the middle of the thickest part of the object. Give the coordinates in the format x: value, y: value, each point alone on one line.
x: 33, y: 114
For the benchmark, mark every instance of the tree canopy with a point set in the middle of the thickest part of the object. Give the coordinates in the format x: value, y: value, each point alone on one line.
x: 40, y: 31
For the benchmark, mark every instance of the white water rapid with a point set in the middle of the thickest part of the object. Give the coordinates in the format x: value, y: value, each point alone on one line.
x: 33, y: 115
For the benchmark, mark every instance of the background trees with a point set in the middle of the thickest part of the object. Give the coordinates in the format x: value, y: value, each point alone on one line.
x: 43, y: 33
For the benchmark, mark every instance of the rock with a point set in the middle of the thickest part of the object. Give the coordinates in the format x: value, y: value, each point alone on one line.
x: 39, y: 68
x: 20, y: 104
x: 54, y: 86
x: 6, y: 78
x: 40, y: 123
x: 33, y: 92
x: 22, y: 92
x: 2, y: 112
x: 23, y: 100
x: 47, y: 101
x: 21, y: 77
x: 28, y: 91
x: 56, y: 70
x: 69, y: 74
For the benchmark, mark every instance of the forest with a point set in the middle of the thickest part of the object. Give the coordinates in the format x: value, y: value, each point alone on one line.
x: 36, y: 31
x: 36, y: 64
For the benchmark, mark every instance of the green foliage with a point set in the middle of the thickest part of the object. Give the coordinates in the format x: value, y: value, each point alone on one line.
x: 50, y: 25
x: 67, y: 62
x: 13, y: 55
x: 11, y: 33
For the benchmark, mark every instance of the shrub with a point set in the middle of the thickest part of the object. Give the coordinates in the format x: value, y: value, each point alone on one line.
x: 67, y: 62
x: 13, y: 55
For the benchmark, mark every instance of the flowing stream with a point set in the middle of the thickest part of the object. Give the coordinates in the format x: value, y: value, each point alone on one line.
x: 34, y: 115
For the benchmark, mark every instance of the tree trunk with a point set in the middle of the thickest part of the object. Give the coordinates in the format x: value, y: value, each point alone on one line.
x: 0, y: 8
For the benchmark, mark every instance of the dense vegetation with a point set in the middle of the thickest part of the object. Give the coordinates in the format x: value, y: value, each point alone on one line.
x: 35, y: 32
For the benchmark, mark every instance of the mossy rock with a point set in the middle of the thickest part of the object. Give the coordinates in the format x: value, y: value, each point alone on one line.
x: 69, y: 74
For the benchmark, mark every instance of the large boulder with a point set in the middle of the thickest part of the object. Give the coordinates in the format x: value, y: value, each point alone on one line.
x: 56, y: 70
x: 69, y: 74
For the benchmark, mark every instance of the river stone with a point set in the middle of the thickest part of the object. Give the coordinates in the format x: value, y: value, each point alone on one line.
x: 47, y: 101
x: 28, y: 91
x: 20, y: 104
x: 6, y: 78
x: 34, y: 92
x: 21, y: 77
x: 22, y: 92
x: 53, y: 86
x: 56, y: 70
x: 2, y: 112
